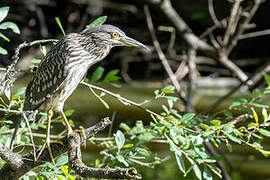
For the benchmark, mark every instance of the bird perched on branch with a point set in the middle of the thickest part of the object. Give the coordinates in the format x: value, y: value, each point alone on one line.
x: 65, y: 66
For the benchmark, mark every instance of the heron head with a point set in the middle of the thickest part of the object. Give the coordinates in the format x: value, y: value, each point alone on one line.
x: 113, y: 36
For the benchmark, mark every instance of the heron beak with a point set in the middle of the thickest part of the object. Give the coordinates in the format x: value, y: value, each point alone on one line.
x: 127, y: 41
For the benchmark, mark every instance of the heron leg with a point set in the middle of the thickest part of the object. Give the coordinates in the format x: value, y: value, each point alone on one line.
x: 47, y: 141
x: 69, y: 129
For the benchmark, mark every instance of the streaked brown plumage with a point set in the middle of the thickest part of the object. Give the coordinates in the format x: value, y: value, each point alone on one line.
x: 66, y: 65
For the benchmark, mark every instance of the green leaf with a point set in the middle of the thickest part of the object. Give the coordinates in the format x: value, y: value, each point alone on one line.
x: 121, y: 159
x: 180, y: 161
x: 124, y: 126
x: 187, y: 117
x: 256, y: 94
x: 60, y: 25
x: 10, y: 25
x: 69, y: 112
x: 62, y: 160
x: 264, y: 132
x: 104, y: 103
x: 35, y: 61
x: 119, y: 139
x: 198, y: 15
x: 195, y: 168
x: 228, y: 114
x: 168, y: 89
x: 265, y: 115
x: 233, y: 138
x: 207, y: 175
x: 4, y: 37
x: 128, y: 146
x: 3, y: 51
x: 238, y: 102
x: 97, y: 74
x: 97, y: 22
x: 216, y: 123
x: 20, y: 91
x: 3, y: 13
x: 259, y: 105
x: 58, y: 177
x: 111, y: 76
x: 43, y: 50
x: 264, y: 152
x: 255, y: 116
x: 145, y: 137
x: 65, y: 170
x: 267, y: 79
x: 70, y: 177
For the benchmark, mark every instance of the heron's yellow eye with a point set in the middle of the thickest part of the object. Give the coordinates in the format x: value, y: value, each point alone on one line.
x: 115, y: 35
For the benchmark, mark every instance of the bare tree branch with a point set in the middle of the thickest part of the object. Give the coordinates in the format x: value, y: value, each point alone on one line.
x: 161, y: 55
x: 17, y: 166
x: 75, y: 162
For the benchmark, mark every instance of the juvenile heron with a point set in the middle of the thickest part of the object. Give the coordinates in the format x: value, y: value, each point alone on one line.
x: 65, y: 66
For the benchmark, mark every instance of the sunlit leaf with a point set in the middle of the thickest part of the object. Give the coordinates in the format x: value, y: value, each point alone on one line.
x: 64, y: 170
x: 238, y: 102
x: 3, y: 51
x: 20, y: 91
x: 58, y: 177
x: 264, y: 132
x: 35, y: 61
x: 104, y: 103
x: 180, y: 161
x: 97, y: 74
x: 60, y: 25
x: 124, y: 126
x: 168, y: 89
x: 111, y: 76
x: 121, y: 159
x: 99, y: 21
x: 187, y: 117
x: 195, y: 168
x: 10, y: 25
x: 265, y: 115
x: 62, y: 160
x: 119, y: 139
x: 265, y: 153
x: 43, y: 50
x: 4, y: 37
x: 233, y: 138
x: 259, y: 105
x: 255, y: 116
x: 216, y: 123
x: 267, y: 79
x: 3, y: 13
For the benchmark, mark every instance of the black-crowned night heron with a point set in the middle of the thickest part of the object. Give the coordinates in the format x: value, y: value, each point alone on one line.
x: 65, y: 66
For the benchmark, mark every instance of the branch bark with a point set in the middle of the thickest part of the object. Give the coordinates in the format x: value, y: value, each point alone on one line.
x: 17, y: 166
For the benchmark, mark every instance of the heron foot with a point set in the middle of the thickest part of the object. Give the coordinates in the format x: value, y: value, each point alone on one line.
x: 47, y: 145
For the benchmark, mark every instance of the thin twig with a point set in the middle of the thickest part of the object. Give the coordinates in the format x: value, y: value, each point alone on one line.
x: 8, y: 78
x: 212, y: 13
x: 255, y: 34
x: 17, y: 166
x: 161, y: 55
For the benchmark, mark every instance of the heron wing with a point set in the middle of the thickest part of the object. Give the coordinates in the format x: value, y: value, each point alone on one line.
x: 48, y: 77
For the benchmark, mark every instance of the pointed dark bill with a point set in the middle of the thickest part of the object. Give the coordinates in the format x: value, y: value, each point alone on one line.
x: 132, y: 43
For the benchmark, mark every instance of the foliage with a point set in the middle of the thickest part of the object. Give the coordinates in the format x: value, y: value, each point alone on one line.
x: 6, y: 25
x: 244, y: 122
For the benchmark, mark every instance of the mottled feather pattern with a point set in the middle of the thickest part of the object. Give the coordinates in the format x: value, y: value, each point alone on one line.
x: 63, y: 68
x: 47, y: 77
